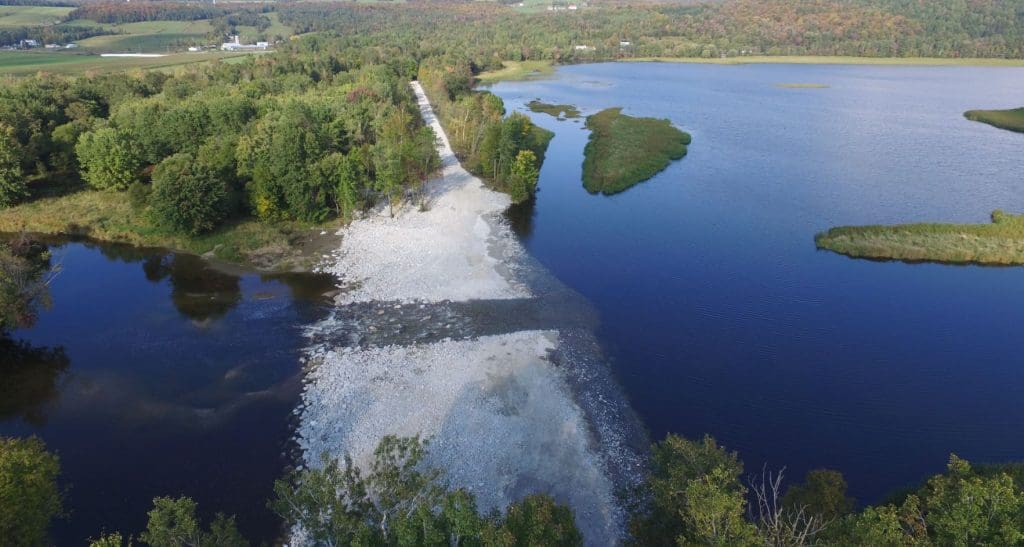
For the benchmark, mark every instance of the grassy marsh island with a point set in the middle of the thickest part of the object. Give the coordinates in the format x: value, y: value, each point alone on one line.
x: 560, y: 111
x: 1011, y: 119
x: 998, y: 243
x: 624, y: 151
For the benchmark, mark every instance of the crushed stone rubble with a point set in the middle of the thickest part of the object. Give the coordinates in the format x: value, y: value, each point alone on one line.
x: 435, y: 332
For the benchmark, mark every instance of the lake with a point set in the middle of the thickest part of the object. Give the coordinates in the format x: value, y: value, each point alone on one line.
x: 158, y: 374
x: 719, y: 314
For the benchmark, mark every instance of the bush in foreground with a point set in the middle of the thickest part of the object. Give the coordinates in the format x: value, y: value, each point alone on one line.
x: 401, y: 503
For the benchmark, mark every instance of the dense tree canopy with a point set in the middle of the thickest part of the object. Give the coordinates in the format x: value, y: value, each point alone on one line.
x: 487, y: 33
x: 399, y: 502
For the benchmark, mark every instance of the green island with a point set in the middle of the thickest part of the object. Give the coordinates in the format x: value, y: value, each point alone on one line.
x: 624, y: 151
x: 999, y: 243
x: 560, y: 111
x: 1010, y: 119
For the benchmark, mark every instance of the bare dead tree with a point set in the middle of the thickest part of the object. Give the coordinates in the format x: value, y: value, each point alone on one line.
x: 782, y: 526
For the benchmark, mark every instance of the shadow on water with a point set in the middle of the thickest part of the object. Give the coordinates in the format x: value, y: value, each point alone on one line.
x: 520, y: 218
x: 157, y: 373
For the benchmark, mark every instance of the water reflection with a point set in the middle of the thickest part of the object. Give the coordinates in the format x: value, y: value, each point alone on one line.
x: 198, y: 291
x: 154, y: 406
x: 520, y: 217
x: 30, y: 379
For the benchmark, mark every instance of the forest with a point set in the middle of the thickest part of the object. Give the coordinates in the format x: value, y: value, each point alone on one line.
x: 492, y: 32
x: 488, y: 34
x: 695, y: 493
x: 305, y: 136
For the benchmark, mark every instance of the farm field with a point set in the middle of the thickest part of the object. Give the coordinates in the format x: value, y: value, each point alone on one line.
x: 22, y: 63
x: 21, y: 16
x: 147, y: 36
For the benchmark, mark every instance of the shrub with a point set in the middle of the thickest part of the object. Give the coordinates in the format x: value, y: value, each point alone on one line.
x: 187, y: 197
x: 110, y: 159
x: 12, y: 180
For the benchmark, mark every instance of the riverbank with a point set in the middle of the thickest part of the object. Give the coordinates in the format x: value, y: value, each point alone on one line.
x: 108, y: 216
x: 999, y: 243
x: 508, y: 412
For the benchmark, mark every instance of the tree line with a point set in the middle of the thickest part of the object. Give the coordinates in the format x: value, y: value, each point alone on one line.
x: 505, y: 151
x: 136, y: 12
x: 490, y: 33
x: 301, y: 136
x: 694, y: 493
x: 50, y: 34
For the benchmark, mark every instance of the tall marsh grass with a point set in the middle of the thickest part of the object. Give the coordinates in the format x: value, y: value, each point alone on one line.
x: 999, y: 243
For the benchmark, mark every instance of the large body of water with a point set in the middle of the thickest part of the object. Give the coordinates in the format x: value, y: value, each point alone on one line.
x: 154, y: 374
x: 720, y: 315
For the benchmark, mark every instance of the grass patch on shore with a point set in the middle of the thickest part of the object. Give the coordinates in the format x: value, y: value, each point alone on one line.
x: 516, y: 71
x: 624, y: 151
x: 31, y: 16
x: 802, y: 86
x: 832, y: 60
x: 998, y: 243
x: 107, y: 216
x: 560, y: 111
x: 1011, y: 120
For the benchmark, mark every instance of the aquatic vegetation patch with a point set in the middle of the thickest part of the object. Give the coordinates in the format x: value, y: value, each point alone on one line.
x: 998, y: 243
x: 1011, y: 119
x: 624, y: 151
x: 561, y: 111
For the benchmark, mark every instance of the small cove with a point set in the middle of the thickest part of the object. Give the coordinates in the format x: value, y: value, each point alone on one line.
x: 162, y: 374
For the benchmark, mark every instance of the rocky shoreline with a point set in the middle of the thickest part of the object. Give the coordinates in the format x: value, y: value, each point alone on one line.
x: 440, y: 331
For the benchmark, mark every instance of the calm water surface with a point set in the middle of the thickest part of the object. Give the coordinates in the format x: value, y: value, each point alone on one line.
x: 154, y: 374
x: 722, y: 317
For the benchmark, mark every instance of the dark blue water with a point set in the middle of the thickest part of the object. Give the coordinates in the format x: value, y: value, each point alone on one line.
x: 155, y: 374
x: 722, y: 317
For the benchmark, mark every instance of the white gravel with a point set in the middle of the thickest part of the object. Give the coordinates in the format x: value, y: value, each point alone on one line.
x: 444, y: 253
x: 500, y: 416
